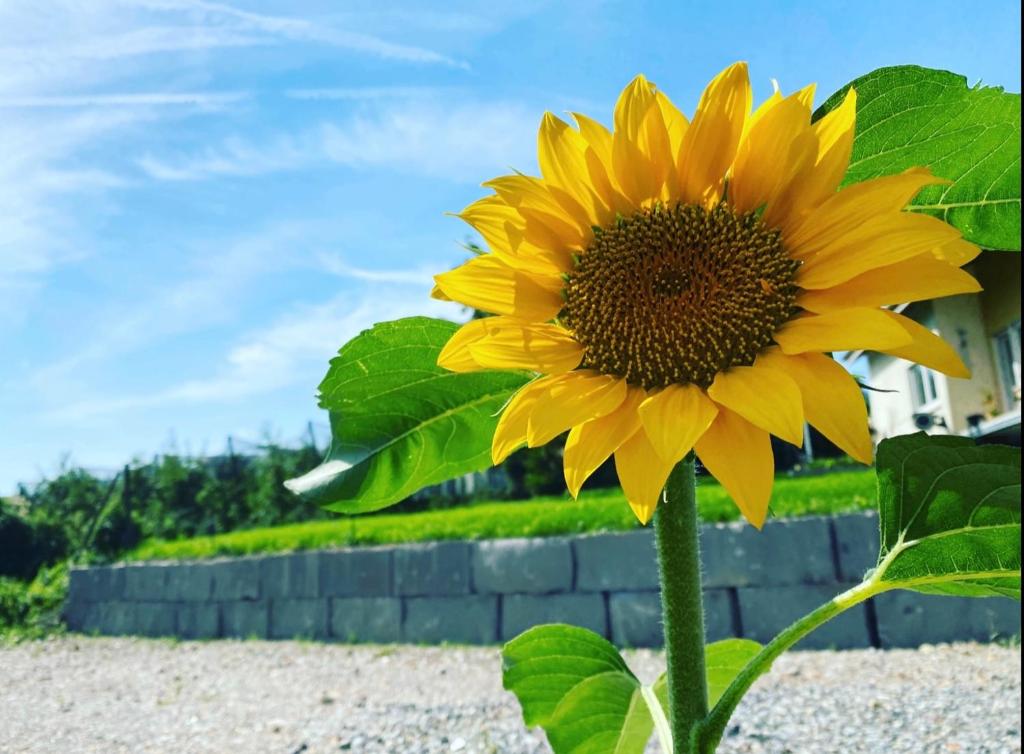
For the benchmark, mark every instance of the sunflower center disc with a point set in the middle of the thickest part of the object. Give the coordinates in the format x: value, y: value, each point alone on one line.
x: 676, y: 295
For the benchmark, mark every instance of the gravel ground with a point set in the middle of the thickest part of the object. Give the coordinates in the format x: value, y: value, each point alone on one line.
x: 77, y: 695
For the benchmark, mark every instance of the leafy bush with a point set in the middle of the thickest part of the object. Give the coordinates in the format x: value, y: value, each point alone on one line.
x: 25, y: 547
x: 32, y: 609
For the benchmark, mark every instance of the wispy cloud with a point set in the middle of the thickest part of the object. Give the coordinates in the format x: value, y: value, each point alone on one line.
x: 133, y: 99
x: 335, y: 265
x: 291, y: 351
x: 457, y: 142
x: 365, y: 93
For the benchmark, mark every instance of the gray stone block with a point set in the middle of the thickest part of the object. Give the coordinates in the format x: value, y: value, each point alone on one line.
x: 370, y: 619
x: 245, y: 620
x: 155, y: 618
x: 298, y: 619
x: 146, y: 583
x: 909, y: 619
x: 436, y: 568
x: 237, y: 579
x: 189, y: 582
x: 198, y: 620
x: 80, y: 615
x: 356, y: 573
x: 636, y: 617
x: 84, y: 585
x: 856, y: 544
x: 718, y: 620
x: 463, y: 620
x: 765, y: 611
x: 529, y: 566
x: 116, y: 618
x: 797, y: 551
x: 616, y: 562
x: 291, y: 576
x: 522, y: 611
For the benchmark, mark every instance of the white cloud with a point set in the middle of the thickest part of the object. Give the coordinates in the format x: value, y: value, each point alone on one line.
x: 460, y: 141
x: 133, y: 99
x: 364, y: 93
x: 60, y: 42
x: 195, y: 301
x: 291, y: 352
x: 423, y: 276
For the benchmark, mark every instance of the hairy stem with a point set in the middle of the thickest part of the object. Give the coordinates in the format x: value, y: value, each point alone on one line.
x: 676, y: 532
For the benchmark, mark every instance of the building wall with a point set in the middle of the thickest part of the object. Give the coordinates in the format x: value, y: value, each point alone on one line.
x: 968, y: 323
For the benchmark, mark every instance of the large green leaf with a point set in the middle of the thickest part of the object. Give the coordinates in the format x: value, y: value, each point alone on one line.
x: 575, y: 685
x: 399, y: 422
x: 723, y: 660
x: 910, y: 116
x: 949, y: 515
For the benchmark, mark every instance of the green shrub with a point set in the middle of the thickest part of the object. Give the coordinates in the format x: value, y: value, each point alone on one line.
x: 25, y: 546
x: 30, y: 609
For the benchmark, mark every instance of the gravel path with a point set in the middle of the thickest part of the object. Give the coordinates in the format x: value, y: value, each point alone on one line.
x: 78, y: 695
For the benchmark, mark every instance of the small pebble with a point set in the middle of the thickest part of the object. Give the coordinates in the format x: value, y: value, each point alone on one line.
x: 79, y: 695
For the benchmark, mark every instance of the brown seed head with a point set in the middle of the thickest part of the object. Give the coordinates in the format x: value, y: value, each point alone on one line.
x: 676, y: 295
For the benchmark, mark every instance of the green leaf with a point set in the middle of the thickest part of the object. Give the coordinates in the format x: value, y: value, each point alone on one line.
x: 399, y: 422
x: 910, y: 116
x: 603, y: 714
x: 575, y: 685
x: 724, y: 660
x: 949, y: 513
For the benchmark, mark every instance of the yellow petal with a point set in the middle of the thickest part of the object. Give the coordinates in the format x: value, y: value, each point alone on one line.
x: 957, y: 253
x: 503, y: 230
x: 511, y: 430
x: 916, y: 279
x: 455, y: 355
x: 834, y: 135
x: 832, y: 400
x: 574, y: 398
x: 487, y: 283
x: 599, y: 163
x: 885, y: 240
x: 561, y: 152
x: 590, y: 444
x: 765, y: 158
x: 848, y: 210
x: 634, y: 172
x: 843, y: 330
x: 550, y: 220
x: 508, y: 343
x: 437, y: 293
x: 806, y: 95
x: 675, y: 123
x: 642, y: 474
x: 709, y: 144
x: 765, y: 397
x: 675, y: 417
x: 927, y: 349
x: 762, y: 110
x: 739, y: 455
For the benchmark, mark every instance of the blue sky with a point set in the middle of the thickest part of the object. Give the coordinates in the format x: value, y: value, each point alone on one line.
x: 200, y: 202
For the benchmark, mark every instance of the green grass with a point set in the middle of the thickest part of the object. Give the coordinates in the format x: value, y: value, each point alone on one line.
x: 598, y: 510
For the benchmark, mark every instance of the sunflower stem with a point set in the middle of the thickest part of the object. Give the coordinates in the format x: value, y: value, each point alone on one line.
x: 676, y: 533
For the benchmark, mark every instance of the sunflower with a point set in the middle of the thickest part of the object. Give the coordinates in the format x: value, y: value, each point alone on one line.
x: 678, y: 284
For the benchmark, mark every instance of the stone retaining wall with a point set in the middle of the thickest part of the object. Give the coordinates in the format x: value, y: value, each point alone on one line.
x: 485, y: 592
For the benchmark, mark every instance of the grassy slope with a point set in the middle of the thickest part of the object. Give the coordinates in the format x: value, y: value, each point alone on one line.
x: 599, y: 510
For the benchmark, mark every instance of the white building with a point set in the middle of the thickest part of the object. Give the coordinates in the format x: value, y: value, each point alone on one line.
x: 985, y: 329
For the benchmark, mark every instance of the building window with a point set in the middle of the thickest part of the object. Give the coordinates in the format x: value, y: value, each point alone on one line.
x: 1007, y: 346
x: 923, y: 389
